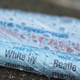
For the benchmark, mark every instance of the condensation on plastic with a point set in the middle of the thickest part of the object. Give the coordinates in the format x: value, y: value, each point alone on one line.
x: 40, y: 43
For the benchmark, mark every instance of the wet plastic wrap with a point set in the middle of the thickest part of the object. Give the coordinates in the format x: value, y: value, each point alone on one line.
x: 40, y: 43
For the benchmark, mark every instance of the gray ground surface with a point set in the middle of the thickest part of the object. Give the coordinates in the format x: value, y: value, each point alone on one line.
x: 34, y: 6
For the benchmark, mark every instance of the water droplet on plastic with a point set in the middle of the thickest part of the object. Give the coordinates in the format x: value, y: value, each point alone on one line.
x: 24, y: 37
x: 23, y: 23
x: 66, y: 77
x: 21, y: 69
x: 11, y: 19
x: 73, y: 34
x: 70, y: 50
x: 46, y: 40
x: 73, y: 44
x: 47, y: 55
x: 35, y: 41
x: 46, y: 35
x: 55, y: 43
x: 46, y: 48
x: 62, y: 29
x: 53, y: 52
x: 37, y: 53
x: 16, y: 30
x: 29, y: 35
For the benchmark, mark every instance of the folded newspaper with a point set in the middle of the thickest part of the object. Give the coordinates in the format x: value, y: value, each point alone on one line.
x: 40, y: 43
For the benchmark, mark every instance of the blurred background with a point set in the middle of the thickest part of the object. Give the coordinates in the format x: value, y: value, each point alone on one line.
x: 73, y: 4
x: 54, y: 7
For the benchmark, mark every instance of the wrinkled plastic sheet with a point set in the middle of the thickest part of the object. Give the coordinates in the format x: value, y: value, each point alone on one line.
x: 40, y: 43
